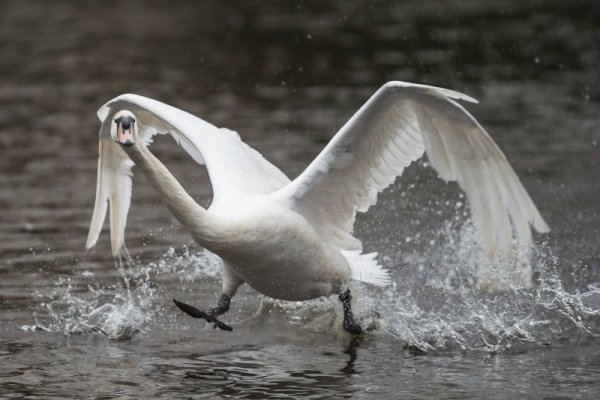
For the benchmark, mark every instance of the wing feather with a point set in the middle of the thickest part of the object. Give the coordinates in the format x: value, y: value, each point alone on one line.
x: 113, y: 187
x: 399, y: 123
x: 234, y: 167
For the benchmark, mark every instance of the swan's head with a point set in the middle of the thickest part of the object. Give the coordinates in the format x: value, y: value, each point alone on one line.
x: 124, y: 128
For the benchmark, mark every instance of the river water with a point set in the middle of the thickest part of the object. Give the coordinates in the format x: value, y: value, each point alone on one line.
x: 286, y: 76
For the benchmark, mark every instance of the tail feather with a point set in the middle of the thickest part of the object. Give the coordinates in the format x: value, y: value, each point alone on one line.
x: 364, y: 268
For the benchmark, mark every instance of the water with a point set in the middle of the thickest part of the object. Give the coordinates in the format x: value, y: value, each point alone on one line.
x: 286, y: 76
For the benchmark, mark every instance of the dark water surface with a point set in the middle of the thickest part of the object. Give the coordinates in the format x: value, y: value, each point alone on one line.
x: 287, y: 75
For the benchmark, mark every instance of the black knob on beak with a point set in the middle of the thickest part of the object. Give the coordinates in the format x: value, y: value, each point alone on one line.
x: 126, y: 124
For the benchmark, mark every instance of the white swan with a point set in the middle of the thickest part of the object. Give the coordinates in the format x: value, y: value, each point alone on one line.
x: 293, y: 240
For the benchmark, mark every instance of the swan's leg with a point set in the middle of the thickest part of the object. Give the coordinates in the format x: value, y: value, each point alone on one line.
x: 222, y: 306
x: 231, y: 282
x: 209, y: 316
x: 350, y: 325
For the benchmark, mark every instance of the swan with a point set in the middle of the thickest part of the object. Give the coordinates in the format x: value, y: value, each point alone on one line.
x: 293, y: 239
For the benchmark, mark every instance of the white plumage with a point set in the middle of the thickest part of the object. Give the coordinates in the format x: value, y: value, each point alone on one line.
x: 294, y: 240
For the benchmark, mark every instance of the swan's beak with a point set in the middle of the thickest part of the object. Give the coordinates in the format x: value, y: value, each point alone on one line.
x: 125, y: 128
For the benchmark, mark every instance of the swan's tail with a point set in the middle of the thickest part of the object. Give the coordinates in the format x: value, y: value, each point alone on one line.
x: 364, y: 268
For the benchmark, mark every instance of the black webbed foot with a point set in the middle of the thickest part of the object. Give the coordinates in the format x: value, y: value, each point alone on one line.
x: 211, y: 315
x: 350, y: 325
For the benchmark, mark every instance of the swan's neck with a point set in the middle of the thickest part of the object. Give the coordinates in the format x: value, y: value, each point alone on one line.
x: 201, y: 223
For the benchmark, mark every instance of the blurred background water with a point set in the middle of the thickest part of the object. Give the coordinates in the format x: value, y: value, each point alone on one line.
x: 286, y: 76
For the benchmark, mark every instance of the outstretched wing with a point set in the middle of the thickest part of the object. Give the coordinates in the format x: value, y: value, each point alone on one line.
x: 393, y: 128
x: 234, y: 167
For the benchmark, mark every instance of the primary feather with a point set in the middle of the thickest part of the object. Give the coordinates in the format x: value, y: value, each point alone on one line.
x: 395, y: 127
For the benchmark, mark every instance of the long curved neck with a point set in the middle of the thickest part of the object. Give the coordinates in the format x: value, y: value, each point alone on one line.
x: 177, y: 200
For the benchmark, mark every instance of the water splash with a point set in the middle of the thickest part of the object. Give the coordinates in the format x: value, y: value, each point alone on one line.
x: 189, y: 265
x: 118, y: 310
x: 443, y: 300
x: 436, y: 303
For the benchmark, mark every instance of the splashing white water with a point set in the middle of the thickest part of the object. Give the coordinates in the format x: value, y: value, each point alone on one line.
x: 437, y: 301
x: 444, y: 300
x: 118, y: 311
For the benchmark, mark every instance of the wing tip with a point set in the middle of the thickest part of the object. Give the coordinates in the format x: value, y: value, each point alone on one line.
x: 116, y: 244
x: 541, y: 226
x: 91, y: 242
x: 492, y: 252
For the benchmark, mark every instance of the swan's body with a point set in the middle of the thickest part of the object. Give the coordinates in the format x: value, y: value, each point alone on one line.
x: 293, y: 240
x: 258, y: 250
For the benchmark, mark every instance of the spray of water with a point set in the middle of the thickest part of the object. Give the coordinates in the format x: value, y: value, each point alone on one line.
x: 451, y: 298
x: 444, y: 299
x: 122, y: 309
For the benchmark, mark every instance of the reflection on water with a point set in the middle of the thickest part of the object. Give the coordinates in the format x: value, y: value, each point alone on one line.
x: 277, y: 370
x: 286, y: 76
